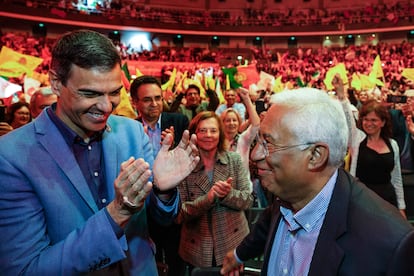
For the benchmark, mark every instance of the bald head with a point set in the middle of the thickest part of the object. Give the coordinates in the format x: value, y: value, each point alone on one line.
x: 39, y: 100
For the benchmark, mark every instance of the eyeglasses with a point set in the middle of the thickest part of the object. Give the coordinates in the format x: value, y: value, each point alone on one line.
x: 270, y: 148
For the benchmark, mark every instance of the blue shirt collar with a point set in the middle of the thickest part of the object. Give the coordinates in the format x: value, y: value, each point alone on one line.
x: 312, y: 214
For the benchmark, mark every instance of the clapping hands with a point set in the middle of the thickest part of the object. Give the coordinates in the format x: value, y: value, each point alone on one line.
x: 172, y: 166
x: 220, y: 189
x: 131, y: 189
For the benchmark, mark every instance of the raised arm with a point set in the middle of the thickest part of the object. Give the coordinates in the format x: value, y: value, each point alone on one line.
x: 254, y: 118
x: 214, y: 101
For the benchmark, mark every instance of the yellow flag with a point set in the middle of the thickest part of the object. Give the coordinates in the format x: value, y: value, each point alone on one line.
x: 181, y: 85
x: 366, y: 82
x: 376, y: 71
x: 356, y: 82
x: 125, y: 108
x: 14, y: 64
x: 330, y: 74
x: 408, y: 73
x: 170, y: 83
x: 278, y: 86
x: 219, y: 92
x: 227, y: 82
x: 138, y: 73
x: 210, y: 83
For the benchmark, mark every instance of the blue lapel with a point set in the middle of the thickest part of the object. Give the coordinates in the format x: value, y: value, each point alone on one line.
x: 51, y: 139
x: 111, y: 162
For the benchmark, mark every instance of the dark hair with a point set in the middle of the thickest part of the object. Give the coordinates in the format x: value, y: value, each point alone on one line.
x: 133, y: 90
x: 192, y: 86
x: 204, y: 115
x: 86, y: 49
x: 382, y: 112
x: 13, y: 108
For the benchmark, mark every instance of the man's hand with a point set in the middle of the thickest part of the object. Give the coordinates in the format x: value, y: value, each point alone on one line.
x: 339, y: 87
x: 172, y: 166
x: 5, y: 128
x: 230, y: 265
x: 164, y: 133
x: 243, y: 94
x: 131, y: 189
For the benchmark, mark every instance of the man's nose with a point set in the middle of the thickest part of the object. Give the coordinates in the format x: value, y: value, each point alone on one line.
x: 105, y: 103
x: 257, y: 153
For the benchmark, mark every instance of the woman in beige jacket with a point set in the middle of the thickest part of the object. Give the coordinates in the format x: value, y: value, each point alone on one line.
x: 213, y: 198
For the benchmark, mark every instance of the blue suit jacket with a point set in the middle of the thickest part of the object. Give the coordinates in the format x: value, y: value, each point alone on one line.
x: 49, y: 222
x: 361, y: 235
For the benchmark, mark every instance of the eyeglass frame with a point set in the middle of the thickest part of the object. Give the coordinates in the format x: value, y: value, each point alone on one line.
x: 263, y: 143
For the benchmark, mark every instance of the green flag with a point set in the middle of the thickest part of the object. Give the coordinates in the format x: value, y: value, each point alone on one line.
x: 126, y: 71
x: 231, y: 72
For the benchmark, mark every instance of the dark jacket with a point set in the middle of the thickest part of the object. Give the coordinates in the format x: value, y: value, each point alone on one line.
x: 361, y: 235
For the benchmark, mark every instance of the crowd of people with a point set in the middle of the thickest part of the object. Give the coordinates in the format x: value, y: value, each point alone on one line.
x: 240, y: 16
x: 299, y: 67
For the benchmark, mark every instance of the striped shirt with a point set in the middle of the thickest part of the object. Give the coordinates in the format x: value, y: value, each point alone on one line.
x: 298, y: 233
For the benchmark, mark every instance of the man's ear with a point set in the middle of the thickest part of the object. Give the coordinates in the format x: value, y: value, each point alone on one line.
x: 319, y: 156
x: 55, y: 83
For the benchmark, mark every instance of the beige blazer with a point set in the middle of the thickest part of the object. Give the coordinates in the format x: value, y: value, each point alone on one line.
x: 213, y: 229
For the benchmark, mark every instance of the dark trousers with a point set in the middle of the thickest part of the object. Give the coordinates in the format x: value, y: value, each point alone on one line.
x: 167, y: 240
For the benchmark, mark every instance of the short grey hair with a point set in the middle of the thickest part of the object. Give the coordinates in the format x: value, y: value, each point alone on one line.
x: 316, y: 117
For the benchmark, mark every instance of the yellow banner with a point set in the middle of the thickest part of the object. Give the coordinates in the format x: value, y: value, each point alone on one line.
x: 14, y: 64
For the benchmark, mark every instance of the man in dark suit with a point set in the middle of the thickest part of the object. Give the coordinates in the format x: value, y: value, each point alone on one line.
x: 146, y: 94
x: 324, y: 222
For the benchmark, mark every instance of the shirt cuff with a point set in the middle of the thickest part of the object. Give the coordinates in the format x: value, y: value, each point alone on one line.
x: 119, y: 232
x: 167, y: 197
x: 237, y: 257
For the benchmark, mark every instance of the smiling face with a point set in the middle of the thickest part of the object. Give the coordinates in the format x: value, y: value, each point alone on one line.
x: 282, y: 172
x: 208, y: 135
x: 231, y: 123
x: 230, y: 97
x: 89, y: 97
x: 21, y: 117
x: 372, y: 124
x: 192, y: 97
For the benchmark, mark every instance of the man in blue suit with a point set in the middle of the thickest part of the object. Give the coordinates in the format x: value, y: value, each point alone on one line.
x: 324, y: 222
x: 75, y: 184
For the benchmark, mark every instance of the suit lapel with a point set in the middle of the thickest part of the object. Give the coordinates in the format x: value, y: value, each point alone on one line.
x: 165, y: 122
x: 272, y: 234
x: 200, y: 179
x: 334, y: 226
x: 51, y: 139
x: 110, y: 160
